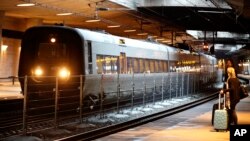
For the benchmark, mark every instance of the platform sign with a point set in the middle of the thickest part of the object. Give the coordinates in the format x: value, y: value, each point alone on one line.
x: 239, y: 132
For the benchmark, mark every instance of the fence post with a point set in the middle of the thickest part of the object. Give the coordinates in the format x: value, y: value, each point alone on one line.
x: 154, y: 92
x: 133, y: 91
x: 192, y: 83
x: 25, y: 105
x: 188, y: 84
x: 170, y: 87
x: 162, y: 88
x: 177, y: 84
x: 182, y: 83
x: 56, y: 103
x: 81, y: 97
x: 118, y: 93
x: 195, y: 84
x: 101, y: 97
x: 144, y: 92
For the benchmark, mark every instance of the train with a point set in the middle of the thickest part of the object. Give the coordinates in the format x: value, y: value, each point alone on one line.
x: 103, y: 59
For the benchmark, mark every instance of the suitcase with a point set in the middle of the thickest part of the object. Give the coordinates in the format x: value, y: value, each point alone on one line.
x: 215, y: 107
x: 221, y: 117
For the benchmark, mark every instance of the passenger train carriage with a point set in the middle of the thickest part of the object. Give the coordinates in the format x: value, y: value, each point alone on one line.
x: 66, y: 52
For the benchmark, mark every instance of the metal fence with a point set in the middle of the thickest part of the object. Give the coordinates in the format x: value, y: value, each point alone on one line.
x: 58, y: 102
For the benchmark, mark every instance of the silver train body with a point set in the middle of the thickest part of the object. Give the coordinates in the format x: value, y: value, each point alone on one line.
x: 107, y: 62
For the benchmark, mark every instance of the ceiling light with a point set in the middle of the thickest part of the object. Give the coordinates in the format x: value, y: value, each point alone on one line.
x: 130, y: 30
x: 142, y: 34
x: 93, y: 20
x: 160, y: 39
x: 25, y: 4
x: 166, y: 41
x: 64, y: 14
x: 113, y: 26
x: 154, y: 36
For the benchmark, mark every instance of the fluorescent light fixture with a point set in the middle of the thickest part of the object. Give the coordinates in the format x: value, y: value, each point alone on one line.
x: 160, y: 39
x: 4, y: 47
x: 166, y: 41
x: 130, y: 30
x: 64, y: 14
x: 142, y: 34
x: 154, y: 36
x: 113, y: 26
x: 93, y: 20
x: 25, y: 4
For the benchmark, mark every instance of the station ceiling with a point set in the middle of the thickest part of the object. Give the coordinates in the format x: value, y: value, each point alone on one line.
x: 168, y: 19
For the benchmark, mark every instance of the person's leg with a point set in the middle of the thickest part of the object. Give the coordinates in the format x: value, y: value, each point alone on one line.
x: 230, y: 117
x: 235, y: 118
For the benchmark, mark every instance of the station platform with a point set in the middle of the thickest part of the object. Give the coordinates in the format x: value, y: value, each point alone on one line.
x: 244, y: 77
x: 191, y: 125
x: 9, y: 91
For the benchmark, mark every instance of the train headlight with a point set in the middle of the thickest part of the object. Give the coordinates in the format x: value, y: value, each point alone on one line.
x: 52, y: 40
x: 38, y: 71
x: 64, y: 73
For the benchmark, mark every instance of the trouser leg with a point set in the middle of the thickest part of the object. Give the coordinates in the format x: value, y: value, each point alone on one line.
x: 229, y: 116
x: 235, y: 118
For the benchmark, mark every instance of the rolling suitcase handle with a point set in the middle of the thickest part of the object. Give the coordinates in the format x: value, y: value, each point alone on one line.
x: 224, y: 101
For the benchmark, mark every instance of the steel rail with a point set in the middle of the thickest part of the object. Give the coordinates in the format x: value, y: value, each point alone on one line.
x: 104, y: 131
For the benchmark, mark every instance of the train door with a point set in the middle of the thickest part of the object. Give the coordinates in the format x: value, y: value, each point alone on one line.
x: 123, y: 62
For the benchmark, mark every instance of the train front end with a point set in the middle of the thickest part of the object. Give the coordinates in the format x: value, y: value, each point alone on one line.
x: 49, y: 53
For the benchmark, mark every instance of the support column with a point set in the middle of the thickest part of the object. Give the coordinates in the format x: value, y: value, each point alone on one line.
x: 1, y: 28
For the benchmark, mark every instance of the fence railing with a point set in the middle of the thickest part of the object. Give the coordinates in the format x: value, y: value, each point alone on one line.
x: 57, y: 102
x: 10, y: 79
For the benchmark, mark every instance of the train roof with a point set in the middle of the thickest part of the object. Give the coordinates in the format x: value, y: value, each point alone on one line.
x: 123, y: 41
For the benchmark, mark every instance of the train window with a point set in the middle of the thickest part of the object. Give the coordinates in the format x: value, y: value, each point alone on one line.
x: 106, y: 64
x: 99, y: 64
x: 90, y: 58
x: 160, y: 66
x: 89, y: 52
x: 130, y: 65
x: 165, y: 68
x: 123, y: 63
x: 136, y: 65
x: 147, y: 68
x: 49, y: 50
x: 156, y: 66
x: 114, y: 64
x: 90, y: 68
x: 141, y: 62
x: 152, y: 66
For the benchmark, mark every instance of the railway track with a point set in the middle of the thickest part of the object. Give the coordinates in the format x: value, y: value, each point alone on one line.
x: 104, y: 131
x: 36, y: 125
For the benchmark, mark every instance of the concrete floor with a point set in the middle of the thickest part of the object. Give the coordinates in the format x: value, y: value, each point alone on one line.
x: 191, y: 125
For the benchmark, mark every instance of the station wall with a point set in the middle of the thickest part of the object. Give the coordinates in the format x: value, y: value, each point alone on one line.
x: 9, y: 57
